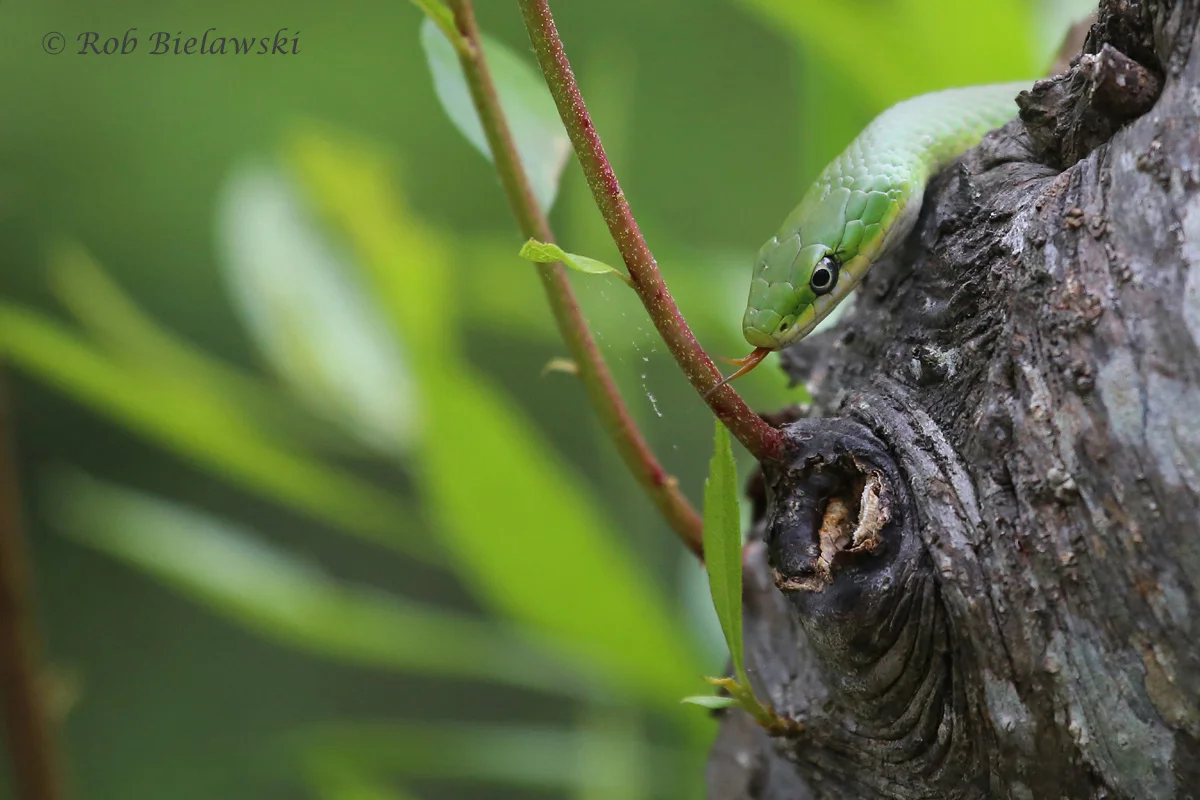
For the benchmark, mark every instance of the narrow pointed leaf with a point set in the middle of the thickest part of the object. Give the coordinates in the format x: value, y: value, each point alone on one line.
x: 289, y: 599
x: 710, y: 701
x: 112, y: 319
x: 525, y: 532
x: 723, y: 544
x: 209, y: 429
x: 311, y: 319
x: 545, y: 253
x: 407, y: 266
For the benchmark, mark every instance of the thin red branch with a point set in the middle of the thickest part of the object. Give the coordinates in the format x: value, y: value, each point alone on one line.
x: 26, y: 718
x: 662, y: 488
x: 764, y: 441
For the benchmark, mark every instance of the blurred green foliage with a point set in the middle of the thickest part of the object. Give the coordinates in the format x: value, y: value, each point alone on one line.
x: 254, y: 302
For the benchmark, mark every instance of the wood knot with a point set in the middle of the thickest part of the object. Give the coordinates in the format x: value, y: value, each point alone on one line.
x: 1070, y: 115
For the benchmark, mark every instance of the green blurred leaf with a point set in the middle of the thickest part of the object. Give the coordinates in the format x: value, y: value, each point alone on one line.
x: 613, y: 761
x: 318, y: 329
x: 546, y: 759
x: 1054, y: 19
x: 406, y: 265
x: 116, y: 322
x: 980, y: 42
x: 531, y: 543
x: 831, y: 96
x: 723, y: 545
x: 533, y: 121
x: 710, y: 701
x: 545, y: 253
x: 354, y: 787
x: 332, y: 779
x: 525, y: 534
x: 810, y: 21
x: 289, y: 599
x: 208, y: 429
x: 908, y: 47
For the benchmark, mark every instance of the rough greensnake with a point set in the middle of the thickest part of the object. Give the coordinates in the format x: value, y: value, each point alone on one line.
x: 860, y: 208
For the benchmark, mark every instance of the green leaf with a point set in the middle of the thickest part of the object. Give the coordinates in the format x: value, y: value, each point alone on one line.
x: 290, y: 600
x: 117, y: 323
x: 524, y: 531
x: 405, y: 264
x: 542, y: 143
x: 723, y: 545
x: 323, y: 335
x: 710, y: 701
x: 544, y: 253
x: 531, y: 543
x: 209, y: 429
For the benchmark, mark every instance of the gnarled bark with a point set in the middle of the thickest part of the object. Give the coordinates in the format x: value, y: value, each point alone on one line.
x: 977, y: 575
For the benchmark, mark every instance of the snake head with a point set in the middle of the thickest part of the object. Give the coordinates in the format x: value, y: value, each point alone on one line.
x: 792, y: 290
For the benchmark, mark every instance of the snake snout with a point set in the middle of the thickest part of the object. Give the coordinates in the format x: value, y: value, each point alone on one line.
x: 761, y: 327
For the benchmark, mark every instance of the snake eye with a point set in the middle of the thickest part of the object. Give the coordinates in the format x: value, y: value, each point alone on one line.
x: 824, y: 277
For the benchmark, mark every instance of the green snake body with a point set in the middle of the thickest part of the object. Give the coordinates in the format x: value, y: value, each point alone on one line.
x: 863, y: 204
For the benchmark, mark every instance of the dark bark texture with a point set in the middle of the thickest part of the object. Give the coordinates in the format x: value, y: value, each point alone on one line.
x: 977, y: 574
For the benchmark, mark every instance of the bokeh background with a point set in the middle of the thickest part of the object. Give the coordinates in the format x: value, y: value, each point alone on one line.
x: 308, y: 517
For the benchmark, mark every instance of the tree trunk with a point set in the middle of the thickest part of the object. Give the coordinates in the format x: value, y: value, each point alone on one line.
x: 978, y: 575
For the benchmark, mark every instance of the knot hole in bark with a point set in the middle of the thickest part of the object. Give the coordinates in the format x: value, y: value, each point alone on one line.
x: 845, y: 550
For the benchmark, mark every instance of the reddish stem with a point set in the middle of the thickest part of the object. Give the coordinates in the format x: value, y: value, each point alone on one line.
x: 764, y: 441
x: 662, y: 488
